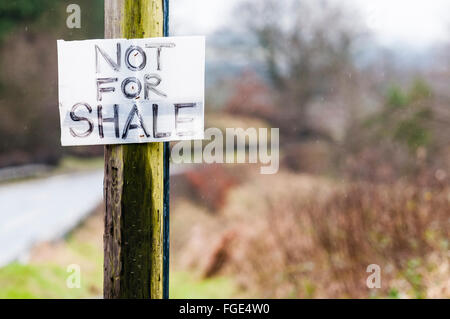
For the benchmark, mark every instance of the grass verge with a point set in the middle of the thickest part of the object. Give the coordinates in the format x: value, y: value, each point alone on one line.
x: 46, y: 274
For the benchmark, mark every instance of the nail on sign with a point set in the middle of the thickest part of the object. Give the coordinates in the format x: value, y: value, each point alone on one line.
x: 118, y: 91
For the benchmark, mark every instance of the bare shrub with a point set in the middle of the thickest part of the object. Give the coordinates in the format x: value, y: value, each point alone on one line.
x: 211, y: 185
x: 318, y: 242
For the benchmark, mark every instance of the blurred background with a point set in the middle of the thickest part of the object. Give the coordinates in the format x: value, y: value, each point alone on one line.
x: 360, y: 92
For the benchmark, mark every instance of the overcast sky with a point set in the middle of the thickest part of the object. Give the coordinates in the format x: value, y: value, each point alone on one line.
x: 413, y: 22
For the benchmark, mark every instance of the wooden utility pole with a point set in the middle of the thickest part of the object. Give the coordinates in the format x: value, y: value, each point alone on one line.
x: 136, y: 182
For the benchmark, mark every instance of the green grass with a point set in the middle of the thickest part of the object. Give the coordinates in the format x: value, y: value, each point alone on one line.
x: 49, y: 281
x: 186, y: 285
x: 30, y: 281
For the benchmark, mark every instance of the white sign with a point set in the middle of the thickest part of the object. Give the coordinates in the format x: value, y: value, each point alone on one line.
x: 117, y: 91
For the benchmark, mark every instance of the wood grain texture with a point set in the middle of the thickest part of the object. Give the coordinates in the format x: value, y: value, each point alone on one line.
x: 133, y: 184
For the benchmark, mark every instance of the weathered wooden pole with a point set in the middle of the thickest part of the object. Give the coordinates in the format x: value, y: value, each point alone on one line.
x: 135, y: 240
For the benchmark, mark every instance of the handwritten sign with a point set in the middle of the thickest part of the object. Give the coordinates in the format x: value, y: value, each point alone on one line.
x: 118, y: 91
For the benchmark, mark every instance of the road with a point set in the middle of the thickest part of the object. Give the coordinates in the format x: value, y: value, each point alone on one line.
x: 46, y: 209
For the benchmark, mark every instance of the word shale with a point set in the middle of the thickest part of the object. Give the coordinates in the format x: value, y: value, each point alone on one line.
x: 118, y: 91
